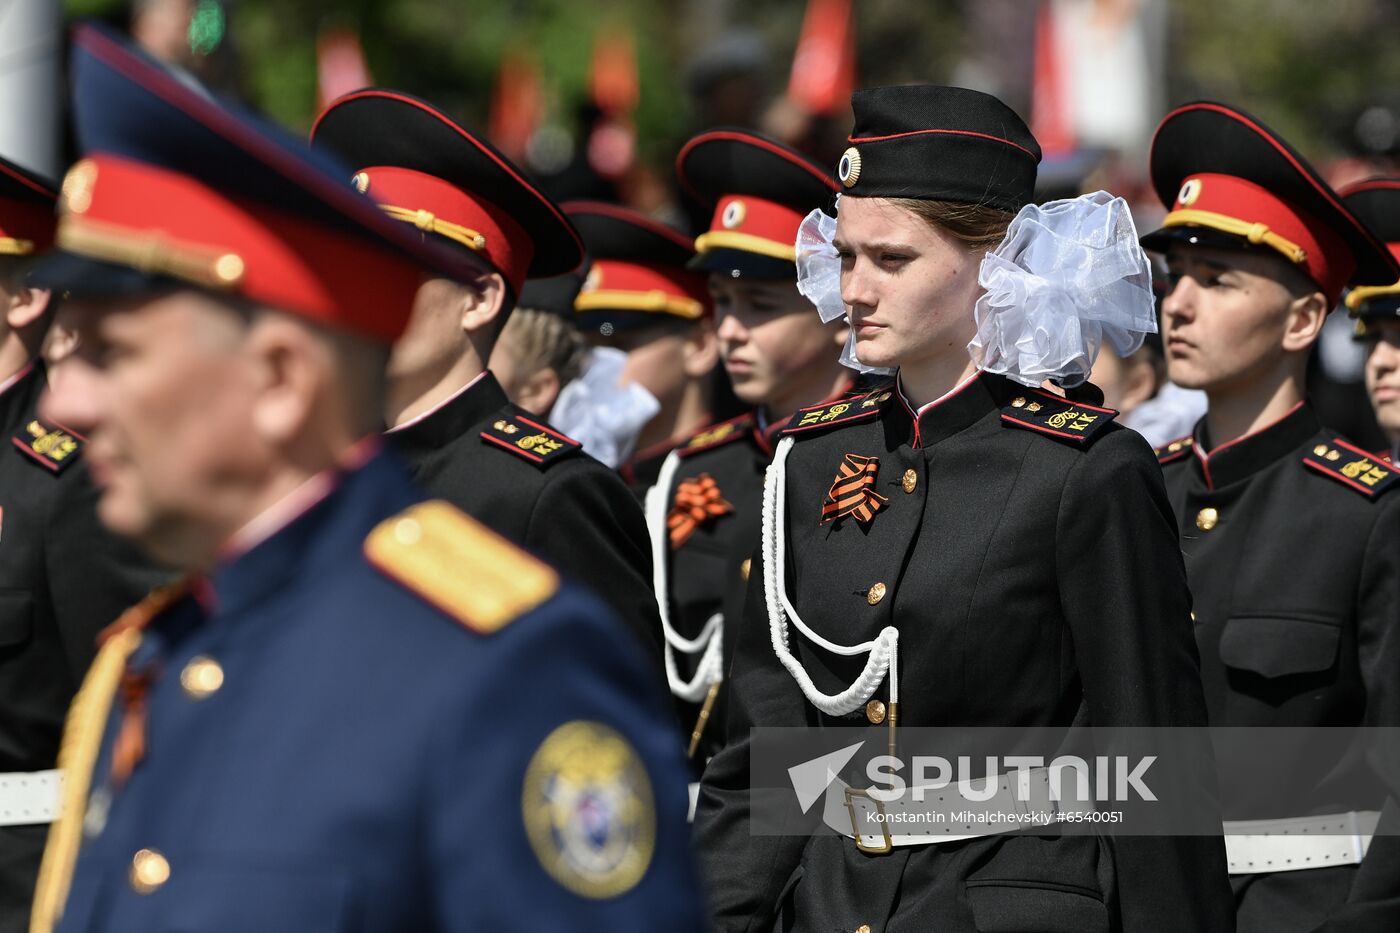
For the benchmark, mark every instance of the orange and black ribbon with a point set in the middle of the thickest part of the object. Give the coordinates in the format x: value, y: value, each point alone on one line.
x: 698, y: 501
x: 852, y: 492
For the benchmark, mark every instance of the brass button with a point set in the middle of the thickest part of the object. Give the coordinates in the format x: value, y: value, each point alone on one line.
x: 1320, y: 450
x: 1193, y: 617
x: 910, y: 481
x: 201, y: 677
x: 149, y: 870
x: 745, y: 566
x: 1018, y: 402
x: 863, y: 928
x: 875, y: 594
x: 1206, y: 519
x: 875, y: 711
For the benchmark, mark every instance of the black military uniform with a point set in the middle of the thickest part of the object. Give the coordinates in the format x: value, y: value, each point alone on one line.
x: 1021, y: 548
x: 63, y: 578
x: 1289, y: 536
x: 638, y: 279
x: 703, y: 513
x: 1376, y: 202
x: 491, y: 458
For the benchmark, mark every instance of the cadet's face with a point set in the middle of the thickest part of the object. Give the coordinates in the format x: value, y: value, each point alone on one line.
x: 770, y: 337
x: 909, y: 288
x: 159, y: 388
x: 1383, y: 374
x: 1225, y: 317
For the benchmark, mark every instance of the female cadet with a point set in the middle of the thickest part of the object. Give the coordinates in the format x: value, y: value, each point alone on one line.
x: 703, y: 511
x: 1006, y: 551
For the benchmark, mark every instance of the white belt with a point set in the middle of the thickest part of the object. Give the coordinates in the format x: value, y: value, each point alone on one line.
x: 856, y: 815
x: 1298, y: 843
x: 28, y: 797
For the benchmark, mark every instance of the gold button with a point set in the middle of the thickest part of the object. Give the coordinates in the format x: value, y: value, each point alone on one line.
x: 1193, y: 617
x: 745, y: 566
x: 875, y: 594
x: 863, y: 928
x: 1018, y: 402
x: 1173, y: 447
x: 1206, y: 519
x: 1320, y: 450
x: 149, y: 870
x: 1333, y: 456
x: 910, y: 481
x: 202, y: 677
x: 875, y: 711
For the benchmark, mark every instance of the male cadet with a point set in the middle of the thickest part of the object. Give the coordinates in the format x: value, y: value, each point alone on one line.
x: 1376, y: 308
x: 462, y: 437
x: 703, y: 512
x: 363, y: 711
x: 63, y: 578
x: 1288, y: 531
x: 640, y: 297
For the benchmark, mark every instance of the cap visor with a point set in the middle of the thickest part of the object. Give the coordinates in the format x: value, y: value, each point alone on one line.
x: 81, y: 277
x: 743, y: 264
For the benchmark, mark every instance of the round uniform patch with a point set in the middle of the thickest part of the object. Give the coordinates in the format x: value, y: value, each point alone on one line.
x: 1190, y: 191
x: 848, y: 169
x: 588, y: 810
x: 734, y: 214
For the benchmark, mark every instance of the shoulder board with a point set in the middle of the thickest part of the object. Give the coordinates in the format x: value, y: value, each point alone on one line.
x: 726, y: 432
x: 1352, y: 467
x: 538, y: 443
x: 52, y: 447
x: 460, y: 566
x: 1059, y: 417
x: 852, y: 408
x: 1175, y: 450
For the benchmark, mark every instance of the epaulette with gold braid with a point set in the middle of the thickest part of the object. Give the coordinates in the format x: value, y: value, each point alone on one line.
x: 538, y: 443
x: 1352, y: 467
x: 458, y: 565
x: 1172, y: 451
x: 830, y: 414
x: 1048, y: 413
x: 726, y: 432
x: 52, y: 447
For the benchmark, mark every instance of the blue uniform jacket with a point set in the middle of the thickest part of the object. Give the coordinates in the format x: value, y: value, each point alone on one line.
x: 371, y: 758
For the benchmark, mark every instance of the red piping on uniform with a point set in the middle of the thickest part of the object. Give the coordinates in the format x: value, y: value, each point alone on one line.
x: 1205, y: 457
x: 37, y: 456
x: 1354, y: 449
x: 1326, y: 472
x: 511, y: 447
x: 13, y: 381
x: 995, y: 139
x: 1062, y: 400
x: 31, y: 184
x: 63, y: 427
x: 754, y: 141
x: 536, y: 425
x: 1040, y: 428
x: 916, y: 415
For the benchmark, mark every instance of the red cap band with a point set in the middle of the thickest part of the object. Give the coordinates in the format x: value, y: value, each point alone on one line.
x: 613, y: 285
x: 754, y: 225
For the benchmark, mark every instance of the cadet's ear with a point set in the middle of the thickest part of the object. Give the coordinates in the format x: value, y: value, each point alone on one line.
x: 27, y: 306
x: 293, y: 370
x: 1306, y: 315
x: 701, y: 349
x: 482, y: 303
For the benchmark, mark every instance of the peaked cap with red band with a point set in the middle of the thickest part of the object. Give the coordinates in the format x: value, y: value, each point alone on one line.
x: 26, y: 211
x: 426, y: 170
x: 1228, y: 180
x: 759, y: 191
x: 639, y: 275
x: 175, y: 189
x: 939, y: 144
x: 1376, y: 203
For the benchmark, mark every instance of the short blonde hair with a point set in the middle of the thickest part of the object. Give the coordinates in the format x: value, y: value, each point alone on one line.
x: 544, y: 340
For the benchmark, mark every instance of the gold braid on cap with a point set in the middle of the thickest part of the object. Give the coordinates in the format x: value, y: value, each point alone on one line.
x: 429, y: 222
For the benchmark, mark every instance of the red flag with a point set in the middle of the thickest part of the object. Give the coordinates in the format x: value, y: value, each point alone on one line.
x: 612, y: 77
x: 340, y: 65
x: 1050, y: 115
x: 517, y: 105
x: 824, y: 66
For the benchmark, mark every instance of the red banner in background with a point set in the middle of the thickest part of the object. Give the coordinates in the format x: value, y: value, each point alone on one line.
x: 1051, y: 119
x: 517, y: 106
x: 824, y: 66
x: 340, y: 65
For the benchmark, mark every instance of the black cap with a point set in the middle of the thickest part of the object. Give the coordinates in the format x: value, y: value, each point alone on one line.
x: 939, y: 144
x: 758, y: 191
x: 554, y: 295
x: 1376, y: 203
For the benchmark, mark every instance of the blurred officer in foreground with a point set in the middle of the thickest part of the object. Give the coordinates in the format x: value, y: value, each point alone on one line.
x: 63, y: 578
x: 1376, y: 308
x: 308, y: 734
x: 703, y: 512
x: 462, y: 437
x: 1289, y: 531
x: 640, y: 298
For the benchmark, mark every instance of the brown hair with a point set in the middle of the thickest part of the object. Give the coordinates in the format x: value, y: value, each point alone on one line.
x: 976, y: 226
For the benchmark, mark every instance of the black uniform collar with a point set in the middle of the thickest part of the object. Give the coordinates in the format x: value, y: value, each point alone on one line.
x: 956, y: 411
x: 439, y: 427
x: 1241, y: 458
x: 18, y: 392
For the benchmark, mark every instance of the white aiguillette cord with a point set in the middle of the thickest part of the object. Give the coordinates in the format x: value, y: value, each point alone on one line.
x: 710, y: 669
x: 883, y: 650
